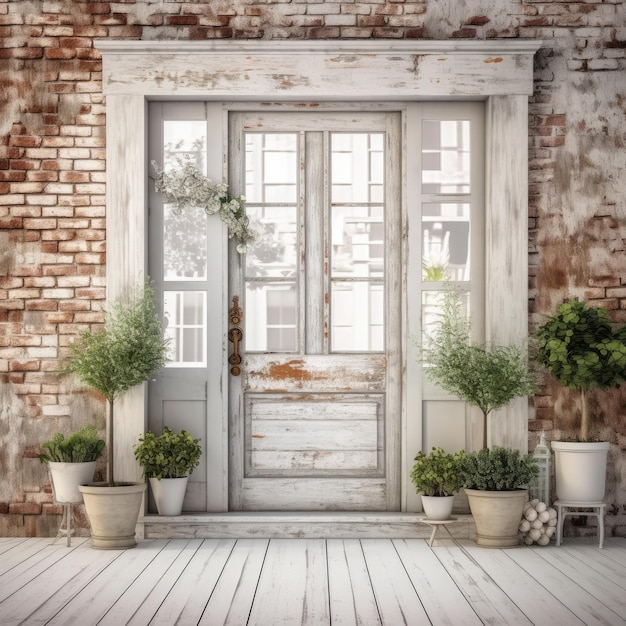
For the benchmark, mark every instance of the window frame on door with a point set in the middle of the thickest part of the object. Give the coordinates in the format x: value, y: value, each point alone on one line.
x: 303, y: 73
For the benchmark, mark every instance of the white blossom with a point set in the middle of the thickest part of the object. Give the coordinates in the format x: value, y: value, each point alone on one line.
x: 186, y: 186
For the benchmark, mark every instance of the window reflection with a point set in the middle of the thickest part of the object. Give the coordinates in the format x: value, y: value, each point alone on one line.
x: 185, y: 325
x: 445, y: 156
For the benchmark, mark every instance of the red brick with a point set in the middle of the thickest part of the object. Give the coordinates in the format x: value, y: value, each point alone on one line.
x: 25, y: 508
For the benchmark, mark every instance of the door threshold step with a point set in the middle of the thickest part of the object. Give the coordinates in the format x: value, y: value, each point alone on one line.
x: 304, y: 525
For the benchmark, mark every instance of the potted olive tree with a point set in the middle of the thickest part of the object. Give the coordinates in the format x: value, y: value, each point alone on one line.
x: 124, y: 353
x: 436, y: 477
x: 167, y: 461
x: 583, y: 351
x: 488, y: 377
x: 72, y: 462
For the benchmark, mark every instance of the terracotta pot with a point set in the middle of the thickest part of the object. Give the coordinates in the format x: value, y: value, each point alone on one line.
x: 438, y: 507
x: 169, y: 494
x: 66, y: 477
x: 580, y: 469
x: 113, y: 513
x: 497, y: 515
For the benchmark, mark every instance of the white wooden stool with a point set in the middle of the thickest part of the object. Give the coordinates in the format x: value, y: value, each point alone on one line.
x: 563, y: 510
x: 435, y: 525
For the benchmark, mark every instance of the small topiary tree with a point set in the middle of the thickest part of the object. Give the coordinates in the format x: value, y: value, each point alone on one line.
x: 483, y: 375
x: 580, y: 348
x: 125, y: 353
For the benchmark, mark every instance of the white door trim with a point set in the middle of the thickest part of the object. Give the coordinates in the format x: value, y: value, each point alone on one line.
x: 499, y: 71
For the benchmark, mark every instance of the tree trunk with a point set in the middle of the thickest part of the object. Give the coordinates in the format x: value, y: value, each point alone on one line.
x: 109, y: 426
x: 584, y: 418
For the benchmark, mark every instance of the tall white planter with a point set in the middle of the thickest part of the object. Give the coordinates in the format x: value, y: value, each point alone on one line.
x: 66, y: 478
x: 580, y: 469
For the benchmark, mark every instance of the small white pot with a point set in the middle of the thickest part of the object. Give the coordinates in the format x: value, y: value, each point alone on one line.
x: 438, y: 507
x: 66, y: 477
x: 169, y: 494
x: 580, y: 469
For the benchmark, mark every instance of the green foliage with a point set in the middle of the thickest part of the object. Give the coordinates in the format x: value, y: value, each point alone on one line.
x: 497, y: 469
x: 436, y: 473
x: 580, y: 348
x: 126, y: 352
x: 81, y: 446
x: 169, y: 455
x: 486, y: 376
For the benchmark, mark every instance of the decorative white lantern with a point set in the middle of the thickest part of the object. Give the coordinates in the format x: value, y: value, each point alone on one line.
x: 540, y: 489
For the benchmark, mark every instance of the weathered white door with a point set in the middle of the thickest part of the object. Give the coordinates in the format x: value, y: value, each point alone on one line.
x: 315, y: 411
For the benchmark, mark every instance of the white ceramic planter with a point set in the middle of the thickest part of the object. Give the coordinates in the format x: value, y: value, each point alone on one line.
x: 113, y: 513
x: 580, y: 469
x: 66, y: 477
x: 438, y: 508
x: 169, y: 494
x: 497, y: 515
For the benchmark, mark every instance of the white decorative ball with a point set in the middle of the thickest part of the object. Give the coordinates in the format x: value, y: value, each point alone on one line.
x: 538, y: 523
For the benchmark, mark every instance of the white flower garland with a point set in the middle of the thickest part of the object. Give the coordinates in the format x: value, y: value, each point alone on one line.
x: 186, y: 186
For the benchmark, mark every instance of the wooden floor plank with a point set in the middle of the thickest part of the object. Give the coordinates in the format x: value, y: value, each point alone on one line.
x: 318, y: 582
x: 397, y: 600
x: 190, y: 594
x: 482, y: 591
x: 92, y: 602
x: 443, y: 601
x: 573, y: 592
x: 293, y: 587
x: 142, y: 598
x: 19, y: 554
x: 535, y: 602
x: 232, y: 598
x: 601, y: 561
x: 33, y: 565
x: 351, y: 596
x: 57, y: 584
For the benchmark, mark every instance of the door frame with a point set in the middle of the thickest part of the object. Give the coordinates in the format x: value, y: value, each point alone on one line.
x: 304, y: 74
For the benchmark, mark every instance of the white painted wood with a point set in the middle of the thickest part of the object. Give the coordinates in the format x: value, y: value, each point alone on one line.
x: 306, y: 524
x: 395, y: 596
x: 561, y: 565
x: 91, y: 602
x: 319, y: 582
x: 526, y: 591
x: 189, y: 596
x: 506, y: 245
x: 144, y: 595
x: 296, y: 69
x: 490, y: 603
x: 443, y: 601
x: 126, y: 213
x: 293, y: 586
x: 231, y: 601
x: 352, y: 600
x: 308, y: 406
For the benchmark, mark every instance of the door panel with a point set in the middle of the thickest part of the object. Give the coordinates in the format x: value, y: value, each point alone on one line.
x: 315, y: 414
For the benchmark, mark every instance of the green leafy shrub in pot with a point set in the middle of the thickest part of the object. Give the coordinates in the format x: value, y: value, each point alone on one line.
x: 579, y: 347
x: 436, y: 473
x: 169, y: 455
x: 81, y: 446
x: 497, y: 469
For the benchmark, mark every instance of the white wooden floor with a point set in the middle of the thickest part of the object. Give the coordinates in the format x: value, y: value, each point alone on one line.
x: 311, y: 581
